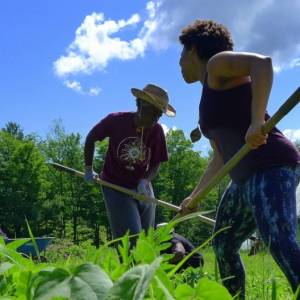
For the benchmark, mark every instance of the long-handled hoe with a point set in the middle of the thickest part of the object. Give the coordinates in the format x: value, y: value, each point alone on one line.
x: 132, y: 193
x: 288, y: 105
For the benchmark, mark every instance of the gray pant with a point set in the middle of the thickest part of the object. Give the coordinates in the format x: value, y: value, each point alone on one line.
x: 127, y: 214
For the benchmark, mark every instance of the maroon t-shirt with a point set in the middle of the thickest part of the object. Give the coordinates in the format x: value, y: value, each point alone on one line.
x: 225, y: 116
x: 131, y: 154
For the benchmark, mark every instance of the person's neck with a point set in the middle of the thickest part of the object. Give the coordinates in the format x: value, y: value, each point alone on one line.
x: 137, y: 121
x: 202, y: 72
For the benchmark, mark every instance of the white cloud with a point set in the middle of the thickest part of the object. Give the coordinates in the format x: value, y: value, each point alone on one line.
x: 295, y: 63
x: 73, y: 85
x: 94, y: 91
x: 269, y: 27
x: 292, y: 134
x: 96, y: 43
x: 76, y: 86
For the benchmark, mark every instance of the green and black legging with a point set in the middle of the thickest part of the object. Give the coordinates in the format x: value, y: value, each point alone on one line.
x: 266, y: 201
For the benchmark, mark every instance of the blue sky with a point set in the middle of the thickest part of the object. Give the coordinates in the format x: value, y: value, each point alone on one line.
x: 77, y: 60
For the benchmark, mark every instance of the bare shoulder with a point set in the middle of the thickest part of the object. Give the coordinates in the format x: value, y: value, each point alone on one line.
x: 227, y: 58
x: 232, y: 68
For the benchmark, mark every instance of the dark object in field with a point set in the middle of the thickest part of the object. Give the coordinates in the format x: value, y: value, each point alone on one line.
x: 28, y: 250
x: 181, y: 247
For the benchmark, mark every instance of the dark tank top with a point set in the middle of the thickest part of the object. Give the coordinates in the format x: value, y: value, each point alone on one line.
x: 224, y: 117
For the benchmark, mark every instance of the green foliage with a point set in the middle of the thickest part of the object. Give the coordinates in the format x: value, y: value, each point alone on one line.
x: 134, y: 283
x: 87, y: 281
x: 205, y: 290
x: 112, y: 274
x: 14, y: 130
x: 107, y: 273
x: 22, y: 173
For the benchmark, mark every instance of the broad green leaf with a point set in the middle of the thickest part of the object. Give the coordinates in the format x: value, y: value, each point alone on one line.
x: 184, y: 291
x: 96, y: 278
x: 205, y: 290
x: 211, y: 290
x: 87, y: 281
x: 134, y: 283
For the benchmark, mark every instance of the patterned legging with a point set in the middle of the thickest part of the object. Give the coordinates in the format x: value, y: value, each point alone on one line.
x: 267, y: 201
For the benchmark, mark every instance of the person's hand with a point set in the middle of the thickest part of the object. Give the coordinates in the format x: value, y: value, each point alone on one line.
x: 185, y: 210
x: 90, y: 175
x: 195, y: 135
x: 254, y: 136
x: 145, y: 188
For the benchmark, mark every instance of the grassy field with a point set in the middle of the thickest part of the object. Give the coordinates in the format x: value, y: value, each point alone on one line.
x: 261, y: 271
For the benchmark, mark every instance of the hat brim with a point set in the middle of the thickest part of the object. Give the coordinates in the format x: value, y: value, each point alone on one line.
x: 169, y: 110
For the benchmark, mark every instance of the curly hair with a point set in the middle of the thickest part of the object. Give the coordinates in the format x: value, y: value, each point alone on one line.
x: 208, y: 37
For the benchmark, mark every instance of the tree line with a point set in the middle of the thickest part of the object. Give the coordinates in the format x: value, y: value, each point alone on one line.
x: 64, y: 206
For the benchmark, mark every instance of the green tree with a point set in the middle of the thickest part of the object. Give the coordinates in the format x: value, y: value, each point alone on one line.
x: 66, y: 191
x: 14, y: 130
x: 71, y: 200
x: 96, y: 214
x: 22, y: 181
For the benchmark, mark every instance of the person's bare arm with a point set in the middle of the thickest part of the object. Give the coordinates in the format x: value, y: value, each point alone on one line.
x: 89, y: 148
x: 213, y: 166
x: 233, y: 65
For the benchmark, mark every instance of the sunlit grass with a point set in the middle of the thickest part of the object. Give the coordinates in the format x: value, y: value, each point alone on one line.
x: 261, y: 270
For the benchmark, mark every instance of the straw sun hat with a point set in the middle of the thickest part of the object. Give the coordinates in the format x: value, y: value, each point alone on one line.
x: 157, y: 96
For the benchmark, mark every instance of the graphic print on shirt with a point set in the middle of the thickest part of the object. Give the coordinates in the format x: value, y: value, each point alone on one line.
x: 132, y: 153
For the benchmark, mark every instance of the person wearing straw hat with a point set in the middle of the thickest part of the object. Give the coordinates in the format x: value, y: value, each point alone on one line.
x: 136, y: 148
x: 232, y: 110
